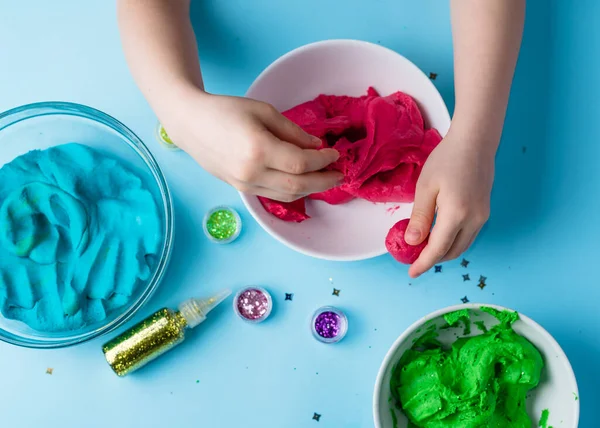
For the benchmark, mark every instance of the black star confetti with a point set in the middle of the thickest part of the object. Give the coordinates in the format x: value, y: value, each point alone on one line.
x: 482, y: 278
x: 336, y: 292
x: 289, y: 296
x: 438, y: 268
x: 465, y: 299
x: 464, y: 263
x: 466, y: 277
x: 524, y: 149
x: 433, y: 76
x: 316, y: 417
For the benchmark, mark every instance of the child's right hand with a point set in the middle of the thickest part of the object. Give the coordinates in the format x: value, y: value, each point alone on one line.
x: 251, y: 146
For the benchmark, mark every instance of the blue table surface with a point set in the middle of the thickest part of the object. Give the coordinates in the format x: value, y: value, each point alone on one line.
x: 539, y: 250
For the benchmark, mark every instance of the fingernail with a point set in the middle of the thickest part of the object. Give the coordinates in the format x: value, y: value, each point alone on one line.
x: 412, y: 234
x: 316, y: 141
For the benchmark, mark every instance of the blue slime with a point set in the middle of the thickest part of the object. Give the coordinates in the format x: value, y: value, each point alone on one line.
x: 79, y: 234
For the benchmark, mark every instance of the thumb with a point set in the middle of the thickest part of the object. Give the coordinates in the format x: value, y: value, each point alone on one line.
x: 421, y: 217
x: 288, y: 131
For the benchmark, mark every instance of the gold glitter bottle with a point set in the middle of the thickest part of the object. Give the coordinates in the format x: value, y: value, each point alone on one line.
x: 157, y: 334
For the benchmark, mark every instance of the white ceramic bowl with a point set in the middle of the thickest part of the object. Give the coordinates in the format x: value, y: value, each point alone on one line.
x: 556, y: 392
x: 357, y: 230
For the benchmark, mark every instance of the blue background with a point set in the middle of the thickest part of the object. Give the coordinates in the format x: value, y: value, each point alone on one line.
x: 539, y: 251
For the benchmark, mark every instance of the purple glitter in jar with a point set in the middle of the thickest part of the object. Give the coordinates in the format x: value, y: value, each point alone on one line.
x: 329, y: 325
x: 253, y: 304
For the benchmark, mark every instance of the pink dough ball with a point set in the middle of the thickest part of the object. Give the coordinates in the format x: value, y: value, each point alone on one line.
x: 397, y: 246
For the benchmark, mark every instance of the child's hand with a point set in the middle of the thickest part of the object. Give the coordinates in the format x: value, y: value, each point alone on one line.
x: 251, y: 146
x: 457, y: 178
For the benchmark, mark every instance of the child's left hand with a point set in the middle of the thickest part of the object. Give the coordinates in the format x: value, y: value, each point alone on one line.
x: 457, y: 179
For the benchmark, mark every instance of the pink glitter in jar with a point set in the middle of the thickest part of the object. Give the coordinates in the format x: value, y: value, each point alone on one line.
x: 253, y: 304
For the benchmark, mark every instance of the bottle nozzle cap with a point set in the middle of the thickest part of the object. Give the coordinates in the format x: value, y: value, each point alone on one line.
x: 195, y: 310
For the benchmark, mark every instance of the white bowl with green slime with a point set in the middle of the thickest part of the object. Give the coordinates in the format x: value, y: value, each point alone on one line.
x: 553, y: 403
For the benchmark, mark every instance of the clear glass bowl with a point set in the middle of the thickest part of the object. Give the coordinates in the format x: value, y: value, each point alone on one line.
x: 47, y: 124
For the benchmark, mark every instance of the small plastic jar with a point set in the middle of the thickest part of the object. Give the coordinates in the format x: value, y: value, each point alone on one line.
x: 222, y: 225
x: 164, y: 139
x: 329, y: 324
x: 253, y: 304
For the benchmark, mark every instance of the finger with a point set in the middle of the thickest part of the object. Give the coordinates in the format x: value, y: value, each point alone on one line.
x: 421, y: 217
x: 460, y: 245
x: 288, y: 158
x: 276, y: 196
x: 475, y: 235
x: 304, y: 184
x: 263, y: 191
x: 286, y: 130
x: 442, y: 237
x: 455, y: 252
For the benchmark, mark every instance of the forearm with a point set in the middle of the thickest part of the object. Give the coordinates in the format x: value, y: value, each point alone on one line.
x: 487, y: 38
x: 160, y: 48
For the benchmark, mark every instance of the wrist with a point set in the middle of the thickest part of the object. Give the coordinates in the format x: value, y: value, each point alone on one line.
x: 177, y: 107
x: 481, y: 135
x: 172, y: 102
x: 168, y: 99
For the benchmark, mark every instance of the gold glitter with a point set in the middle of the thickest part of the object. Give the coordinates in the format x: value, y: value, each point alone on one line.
x: 49, y: 370
x: 145, y: 341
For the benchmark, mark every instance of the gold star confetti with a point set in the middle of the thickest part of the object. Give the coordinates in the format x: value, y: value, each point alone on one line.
x: 49, y: 370
x: 482, y: 283
x: 433, y: 76
x: 336, y: 292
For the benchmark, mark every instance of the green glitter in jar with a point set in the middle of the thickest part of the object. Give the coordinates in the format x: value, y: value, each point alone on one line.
x: 164, y: 138
x: 222, y: 225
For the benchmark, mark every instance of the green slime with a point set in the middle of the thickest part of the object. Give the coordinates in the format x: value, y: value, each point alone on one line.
x: 482, y: 381
x: 543, y: 423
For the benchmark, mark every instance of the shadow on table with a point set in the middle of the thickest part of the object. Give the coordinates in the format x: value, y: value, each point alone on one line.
x: 220, y: 45
x: 584, y: 355
x: 521, y: 161
x: 189, y: 241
